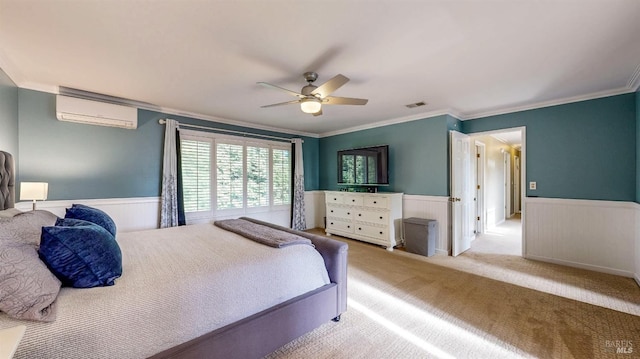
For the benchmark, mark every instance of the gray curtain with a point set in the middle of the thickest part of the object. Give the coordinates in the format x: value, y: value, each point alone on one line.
x: 169, y: 196
x: 298, y: 220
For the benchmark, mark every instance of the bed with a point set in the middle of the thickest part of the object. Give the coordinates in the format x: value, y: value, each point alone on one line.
x: 178, y: 296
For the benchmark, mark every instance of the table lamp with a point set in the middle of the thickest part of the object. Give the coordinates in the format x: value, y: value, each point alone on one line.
x: 36, y: 191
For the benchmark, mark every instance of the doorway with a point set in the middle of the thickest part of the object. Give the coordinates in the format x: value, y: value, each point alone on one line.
x: 498, y: 173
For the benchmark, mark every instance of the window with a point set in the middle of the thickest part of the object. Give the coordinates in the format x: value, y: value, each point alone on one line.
x: 257, y: 176
x: 196, y: 175
x: 281, y: 176
x: 250, y: 175
x: 229, y: 176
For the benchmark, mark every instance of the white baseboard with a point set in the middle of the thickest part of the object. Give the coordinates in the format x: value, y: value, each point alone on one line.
x: 583, y: 266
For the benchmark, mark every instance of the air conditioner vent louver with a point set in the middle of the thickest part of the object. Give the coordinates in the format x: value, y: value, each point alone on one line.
x: 417, y: 104
x: 95, y: 113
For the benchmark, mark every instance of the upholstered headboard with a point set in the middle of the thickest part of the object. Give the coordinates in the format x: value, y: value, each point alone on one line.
x: 7, y: 181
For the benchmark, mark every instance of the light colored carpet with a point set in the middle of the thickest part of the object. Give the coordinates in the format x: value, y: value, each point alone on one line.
x: 477, y: 305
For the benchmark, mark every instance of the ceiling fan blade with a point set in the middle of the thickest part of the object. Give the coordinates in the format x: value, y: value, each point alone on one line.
x: 318, y: 113
x: 280, y: 104
x: 328, y: 87
x: 293, y: 93
x: 344, y: 101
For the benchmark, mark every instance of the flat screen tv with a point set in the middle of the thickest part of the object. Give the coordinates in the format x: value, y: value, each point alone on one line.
x: 368, y: 166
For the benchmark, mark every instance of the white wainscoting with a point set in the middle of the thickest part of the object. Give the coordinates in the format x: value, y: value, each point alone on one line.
x: 595, y: 235
x: 637, y: 244
x: 314, y: 209
x: 129, y: 214
x: 430, y: 207
x: 280, y: 216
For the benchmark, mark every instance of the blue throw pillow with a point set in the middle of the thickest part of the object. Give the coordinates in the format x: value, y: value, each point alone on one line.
x: 94, y: 215
x: 72, y: 222
x: 81, y: 255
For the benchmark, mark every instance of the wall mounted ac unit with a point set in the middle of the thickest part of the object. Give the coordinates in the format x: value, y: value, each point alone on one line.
x: 74, y: 109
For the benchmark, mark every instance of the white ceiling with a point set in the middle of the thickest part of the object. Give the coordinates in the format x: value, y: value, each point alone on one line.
x: 467, y: 58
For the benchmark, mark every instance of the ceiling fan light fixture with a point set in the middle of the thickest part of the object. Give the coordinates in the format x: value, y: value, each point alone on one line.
x: 310, y: 105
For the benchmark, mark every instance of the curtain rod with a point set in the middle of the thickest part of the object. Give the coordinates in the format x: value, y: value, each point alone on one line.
x: 162, y: 122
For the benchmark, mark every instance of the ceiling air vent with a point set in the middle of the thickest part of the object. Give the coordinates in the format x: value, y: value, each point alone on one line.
x: 417, y: 104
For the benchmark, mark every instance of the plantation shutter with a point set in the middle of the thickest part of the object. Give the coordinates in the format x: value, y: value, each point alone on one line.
x: 257, y: 176
x: 281, y: 176
x: 196, y: 175
x: 230, y: 175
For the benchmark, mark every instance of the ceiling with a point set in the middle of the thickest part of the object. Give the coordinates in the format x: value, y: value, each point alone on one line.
x: 203, y: 58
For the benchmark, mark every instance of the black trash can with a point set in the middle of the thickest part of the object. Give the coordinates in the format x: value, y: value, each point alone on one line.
x: 420, y: 235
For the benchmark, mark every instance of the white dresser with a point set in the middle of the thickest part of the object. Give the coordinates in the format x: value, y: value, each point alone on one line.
x: 369, y: 217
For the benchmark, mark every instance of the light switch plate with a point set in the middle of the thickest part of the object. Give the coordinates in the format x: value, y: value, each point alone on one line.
x: 532, y: 185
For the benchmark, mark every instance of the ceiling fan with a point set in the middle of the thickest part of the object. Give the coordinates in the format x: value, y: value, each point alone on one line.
x: 312, y: 97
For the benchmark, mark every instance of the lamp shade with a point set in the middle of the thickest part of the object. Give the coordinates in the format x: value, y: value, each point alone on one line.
x: 310, y: 105
x: 34, y: 190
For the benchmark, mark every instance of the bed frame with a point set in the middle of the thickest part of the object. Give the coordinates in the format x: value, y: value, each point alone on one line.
x: 261, y: 333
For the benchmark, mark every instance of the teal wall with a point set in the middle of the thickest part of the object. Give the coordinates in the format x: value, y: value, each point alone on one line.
x: 418, y: 155
x: 84, y: 161
x: 8, y: 115
x: 638, y: 147
x: 582, y: 150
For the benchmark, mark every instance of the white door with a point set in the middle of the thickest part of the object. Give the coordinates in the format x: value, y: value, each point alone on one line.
x: 479, y: 188
x: 516, y: 185
x: 507, y: 185
x: 461, y: 200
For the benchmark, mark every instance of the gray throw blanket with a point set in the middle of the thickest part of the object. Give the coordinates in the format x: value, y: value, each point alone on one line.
x: 262, y: 234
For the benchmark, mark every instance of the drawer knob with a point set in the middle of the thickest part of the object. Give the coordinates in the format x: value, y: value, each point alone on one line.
x: 380, y: 232
x: 348, y: 213
x: 348, y: 226
x: 331, y: 223
x: 335, y: 199
x: 359, y: 214
x: 380, y: 216
x: 359, y: 228
x: 331, y: 211
x: 353, y: 200
x: 374, y: 202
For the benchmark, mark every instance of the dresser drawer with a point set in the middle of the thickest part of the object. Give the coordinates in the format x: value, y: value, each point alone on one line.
x: 340, y: 225
x: 339, y: 212
x: 353, y: 200
x: 371, y: 216
x: 334, y: 198
x: 377, y: 202
x: 370, y: 231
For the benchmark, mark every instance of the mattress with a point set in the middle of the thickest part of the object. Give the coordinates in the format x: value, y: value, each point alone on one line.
x: 177, y: 284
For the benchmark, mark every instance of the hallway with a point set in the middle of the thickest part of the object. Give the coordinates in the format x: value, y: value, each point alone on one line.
x: 505, y: 238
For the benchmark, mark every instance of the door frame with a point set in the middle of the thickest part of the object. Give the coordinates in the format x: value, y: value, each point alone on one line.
x: 479, y: 179
x: 508, y: 189
x: 523, y: 176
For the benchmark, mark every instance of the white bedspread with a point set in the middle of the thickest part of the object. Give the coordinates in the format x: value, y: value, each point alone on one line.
x: 177, y: 284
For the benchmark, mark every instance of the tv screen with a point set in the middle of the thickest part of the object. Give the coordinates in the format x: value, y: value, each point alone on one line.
x: 366, y: 166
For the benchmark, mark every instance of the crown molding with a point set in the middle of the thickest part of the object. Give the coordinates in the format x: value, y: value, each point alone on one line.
x: 634, y: 80
x: 226, y: 121
x: 420, y: 116
x: 632, y: 86
x: 12, y: 71
x: 543, y: 104
x: 171, y: 111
